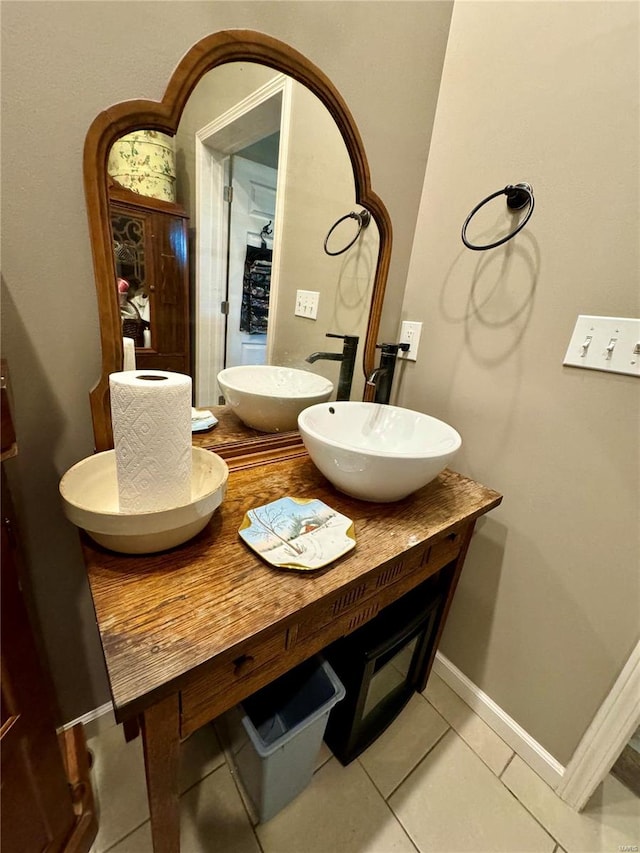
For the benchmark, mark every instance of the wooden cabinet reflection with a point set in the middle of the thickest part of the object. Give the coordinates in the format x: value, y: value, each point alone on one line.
x: 151, y: 256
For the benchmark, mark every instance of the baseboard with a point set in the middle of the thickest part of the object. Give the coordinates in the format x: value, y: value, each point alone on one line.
x: 94, y: 722
x: 531, y: 752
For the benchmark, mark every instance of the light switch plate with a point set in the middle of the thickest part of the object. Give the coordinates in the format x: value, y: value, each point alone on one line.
x: 307, y: 304
x: 610, y: 344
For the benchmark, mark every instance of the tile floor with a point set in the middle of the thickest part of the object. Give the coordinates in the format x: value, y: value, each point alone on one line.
x: 439, y: 779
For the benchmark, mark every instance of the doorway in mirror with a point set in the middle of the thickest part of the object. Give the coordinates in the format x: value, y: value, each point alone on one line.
x: 252, y: 208
x: 238, y: 159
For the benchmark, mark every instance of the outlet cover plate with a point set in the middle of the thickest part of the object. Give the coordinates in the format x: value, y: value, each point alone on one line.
x: 410, y: 334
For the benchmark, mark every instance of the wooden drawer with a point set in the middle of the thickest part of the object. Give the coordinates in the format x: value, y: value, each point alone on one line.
x: 434, y: 556
x: 346, y: 612
x: 233, y: 677
x: 315, y: 637
x: 445, y: 550
x: 328, y: 611
x: 350, y: 601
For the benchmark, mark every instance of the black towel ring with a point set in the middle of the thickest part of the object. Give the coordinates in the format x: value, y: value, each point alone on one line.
x: 364, y: 217
x: 518, y: 195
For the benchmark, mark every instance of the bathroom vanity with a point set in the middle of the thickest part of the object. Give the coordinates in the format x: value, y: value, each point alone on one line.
x: 190, y: 632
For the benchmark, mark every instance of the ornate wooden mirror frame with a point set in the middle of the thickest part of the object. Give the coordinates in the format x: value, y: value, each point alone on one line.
x: 211, y: 51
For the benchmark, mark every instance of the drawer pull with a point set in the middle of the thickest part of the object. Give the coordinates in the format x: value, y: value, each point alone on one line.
x: 452, y: 537
x: 242, y: 663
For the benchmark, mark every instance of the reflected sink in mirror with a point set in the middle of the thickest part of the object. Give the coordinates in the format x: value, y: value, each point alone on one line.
x: 270, y: 398
x: 376, y: 452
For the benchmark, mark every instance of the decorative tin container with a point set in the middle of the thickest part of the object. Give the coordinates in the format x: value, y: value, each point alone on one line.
x: 144, y: 162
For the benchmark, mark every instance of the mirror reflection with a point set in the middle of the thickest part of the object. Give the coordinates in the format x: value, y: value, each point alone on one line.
x: 220, y: 236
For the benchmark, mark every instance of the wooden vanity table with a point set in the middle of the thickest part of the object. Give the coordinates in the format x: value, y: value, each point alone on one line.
x: 190, y: 632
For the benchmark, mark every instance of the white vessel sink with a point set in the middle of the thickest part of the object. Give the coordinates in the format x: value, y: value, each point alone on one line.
x: 89, y: 493
x: 270, y: 398
x: 376, y: 452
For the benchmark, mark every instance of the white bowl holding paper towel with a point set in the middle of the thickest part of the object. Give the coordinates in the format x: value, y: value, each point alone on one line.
x: 90, y: 496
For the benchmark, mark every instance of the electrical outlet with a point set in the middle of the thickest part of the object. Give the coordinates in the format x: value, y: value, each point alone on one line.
x: 307, y: 304
x: 410, y: 334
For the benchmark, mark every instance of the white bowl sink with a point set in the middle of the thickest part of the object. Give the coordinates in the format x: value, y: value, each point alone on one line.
x: 90, y: 497
x: 270, y: 398
x: 376, y: 452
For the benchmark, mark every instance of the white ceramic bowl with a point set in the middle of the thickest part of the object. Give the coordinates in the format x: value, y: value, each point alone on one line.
x: 376, y: 452
x: 90, y: 497
x: 270, y: 398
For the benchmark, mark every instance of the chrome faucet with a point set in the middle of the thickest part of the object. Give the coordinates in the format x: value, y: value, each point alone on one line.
x: 347, y: 358
x: 382, y: 376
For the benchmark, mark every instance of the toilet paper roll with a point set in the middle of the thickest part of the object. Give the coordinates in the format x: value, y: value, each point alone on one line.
x: 129, y: 354
x: 151, y: 419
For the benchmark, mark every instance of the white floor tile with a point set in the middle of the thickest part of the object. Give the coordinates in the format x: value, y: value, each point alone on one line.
x: 481, y: 738
x: 139, y: 841
x: 212, y: 817
x: 119, y: 783
x: 340, y: 812
x: 453, y: 802
x: 403, y: 745
x: 610, y: 820
x: 200, y: 755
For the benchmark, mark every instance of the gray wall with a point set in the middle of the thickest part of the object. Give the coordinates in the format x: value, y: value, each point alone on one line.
x: 62, y: 63
x: 546, y: 613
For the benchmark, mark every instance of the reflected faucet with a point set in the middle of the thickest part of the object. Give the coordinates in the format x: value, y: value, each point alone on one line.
x: 382, y: 376
x: 347, y: 358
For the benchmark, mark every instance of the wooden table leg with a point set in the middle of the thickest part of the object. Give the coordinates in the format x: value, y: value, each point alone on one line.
x: 467, y: 533
x: 161, y: 741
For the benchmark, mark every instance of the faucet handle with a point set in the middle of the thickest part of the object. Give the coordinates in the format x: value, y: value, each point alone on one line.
x: 350, y: 341
x: 392, y: 349
x: 342, y: 337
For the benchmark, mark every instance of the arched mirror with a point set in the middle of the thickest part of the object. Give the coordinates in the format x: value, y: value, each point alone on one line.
x: 226, y: 250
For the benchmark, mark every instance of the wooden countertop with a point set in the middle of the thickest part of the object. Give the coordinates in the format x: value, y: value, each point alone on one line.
x: 162, y: 615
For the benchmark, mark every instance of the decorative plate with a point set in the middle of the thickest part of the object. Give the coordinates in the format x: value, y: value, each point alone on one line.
x: 202, y: 420
x: 298, y: 533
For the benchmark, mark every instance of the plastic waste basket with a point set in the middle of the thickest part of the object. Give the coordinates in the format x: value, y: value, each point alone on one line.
x: 285, y: 723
